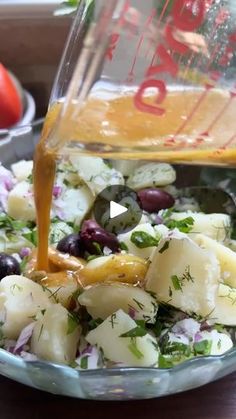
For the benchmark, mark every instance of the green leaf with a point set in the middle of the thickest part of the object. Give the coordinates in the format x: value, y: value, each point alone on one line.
x: 123, y: 246
x: 142, y: 240
x: 203, y: 347
x: 134, y: 350
x: 84, y: 362
x: 165, y: 247
x: 98, y: 248
x: 32, y: 237
x: 185, y: 225
x: 176, y: 283
x: 134, y: 333
x: 165, y: 362
x: 72, y: 324
x: 94, y: 323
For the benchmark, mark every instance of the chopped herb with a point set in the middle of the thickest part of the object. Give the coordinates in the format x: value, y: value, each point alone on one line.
x: 32, y: 237
x: 165, y: 247
x: 30, y: 178
x: 134, y: 333
x: 153, y: 294
x: 170, y: 292
x: 112, y: 321
x: 94, y: 323
x: 123, y: 246
x: 134, y: 349
x: 72, y: 324
x: 140, y: 323
x: 98, y: 248
x: 165, y: 362
x: 177, y: 347
x: 157, y: 328
x: 43, y: 311
x: 185, y: 225
x: 142, y: 240
x: 140, y: 305
x: 203, y: 347
x: 179, y: 282
x: 66, y: 182
x: 15, y: 287
x: 176, y: 281
x: 91, y: 257
x: 84, y: 363
x: 23, y: 263
x: 73, y: 364
x: 40, y: 332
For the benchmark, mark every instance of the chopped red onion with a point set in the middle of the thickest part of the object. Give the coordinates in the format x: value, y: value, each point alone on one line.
x: 197, y: 337
x: 57, y: 190
x: 93, y: 355
x: 25, y: 251
x: 132, y: 312
x: 107, y: 251
x: 24, y: 337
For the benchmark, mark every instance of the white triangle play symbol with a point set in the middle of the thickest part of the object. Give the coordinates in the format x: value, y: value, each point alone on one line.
x: 116, y: 209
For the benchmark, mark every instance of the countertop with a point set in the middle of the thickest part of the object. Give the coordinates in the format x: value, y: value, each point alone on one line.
x: 214, y: 401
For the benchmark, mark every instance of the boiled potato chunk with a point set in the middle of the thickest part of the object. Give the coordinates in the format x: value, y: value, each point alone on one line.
x: 121, y: 268
x: 75, y: 203
x: 53, y: 339
x: 96, y: 173
x: 138, y: 351
x: 151, y: 174
x: 216, y: 226
x: 22, y: 169
x: 20, y: 300
x: 62, y: 286
x: 20, y: 203
x: 220, y: 342
x: 225, y: 309
x: 102, y: 300
x: 184, y: 275
x: 225, y: 256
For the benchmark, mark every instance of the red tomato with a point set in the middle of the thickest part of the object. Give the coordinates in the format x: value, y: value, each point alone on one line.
x: 10, y: 101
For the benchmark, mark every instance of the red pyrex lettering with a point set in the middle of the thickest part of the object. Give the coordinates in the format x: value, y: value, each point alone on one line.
x: 182, y: 18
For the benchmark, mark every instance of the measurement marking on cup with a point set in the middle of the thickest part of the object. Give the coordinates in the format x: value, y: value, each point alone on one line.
x: 219, y: 115
x: 185, y: 20
x: 159, y: 21
x: 192, y: 113
x: 140, y: 43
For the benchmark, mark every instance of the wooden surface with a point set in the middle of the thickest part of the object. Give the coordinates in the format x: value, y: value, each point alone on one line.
x: 214, y: 401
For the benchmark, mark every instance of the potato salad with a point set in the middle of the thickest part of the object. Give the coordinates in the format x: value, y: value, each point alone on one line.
x: 155, y: 296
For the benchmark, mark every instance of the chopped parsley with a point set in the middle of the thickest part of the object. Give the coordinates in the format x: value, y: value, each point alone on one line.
x: 134, y: 349
x: 142, y: 240
x: 84, y: 363
x: 138, y: 331
x: 179, y: 282
x: 72, y: 323
x: 165, y: 247
x: 185, y: 225
x: 203, y: 347
x: 123, y: 246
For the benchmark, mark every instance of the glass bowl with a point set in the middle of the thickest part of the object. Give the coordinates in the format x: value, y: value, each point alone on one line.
x: 115, y: 383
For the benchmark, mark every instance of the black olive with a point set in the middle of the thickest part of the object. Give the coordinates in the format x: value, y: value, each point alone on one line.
x: 154, y: 200
x: 71, y: 244
x: 8, y: 265
x: 92, y: 235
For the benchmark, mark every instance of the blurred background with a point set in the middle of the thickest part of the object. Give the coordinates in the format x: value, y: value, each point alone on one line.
x: 32, y: 37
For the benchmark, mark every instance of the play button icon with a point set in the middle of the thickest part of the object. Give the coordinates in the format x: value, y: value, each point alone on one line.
x: 117, y: 209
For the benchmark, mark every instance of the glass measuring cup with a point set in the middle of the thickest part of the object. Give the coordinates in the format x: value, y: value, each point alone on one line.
x: 150, y: 79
